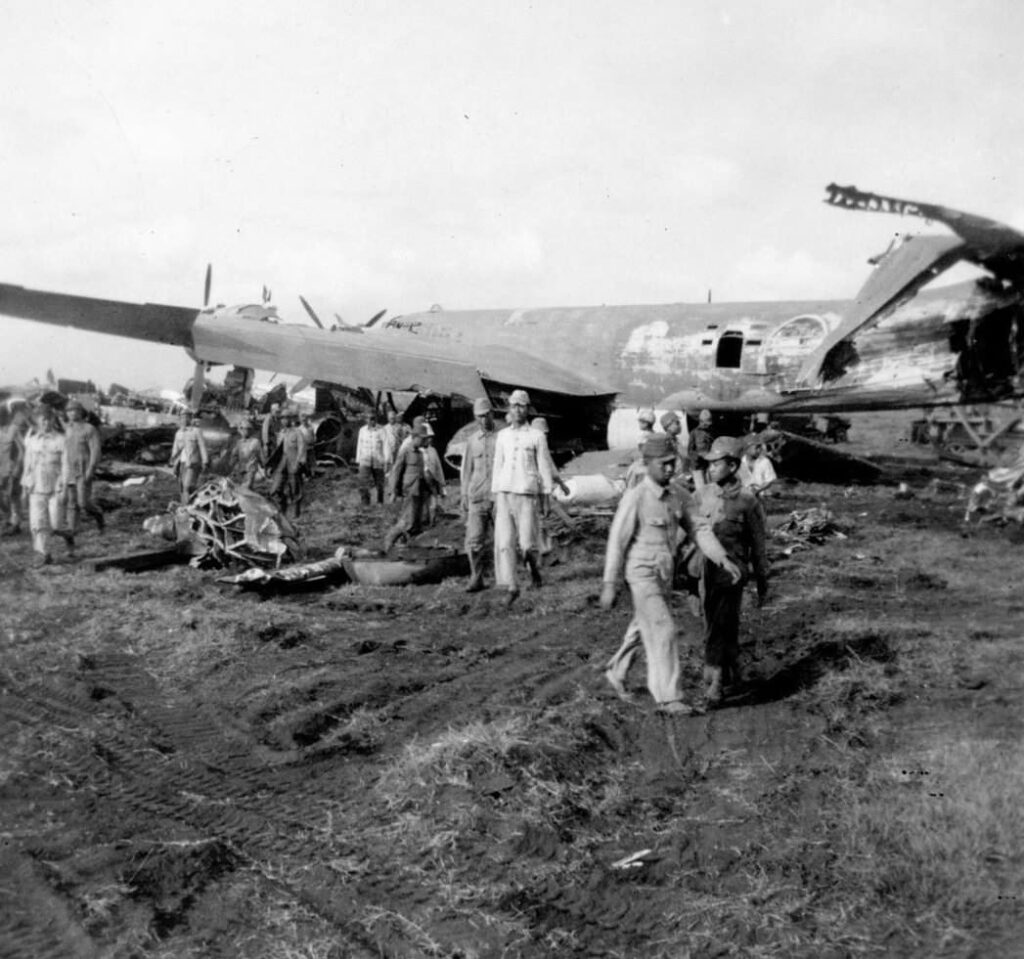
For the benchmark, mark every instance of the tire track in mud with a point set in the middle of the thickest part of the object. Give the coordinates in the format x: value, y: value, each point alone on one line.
x: 174, y: 762
x: 237, y: 802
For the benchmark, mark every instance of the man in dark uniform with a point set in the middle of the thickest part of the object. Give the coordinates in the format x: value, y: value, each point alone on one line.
x: 737, y: 521
x: 477, y: 500
x: 290, y: 468
x: 700, y: 442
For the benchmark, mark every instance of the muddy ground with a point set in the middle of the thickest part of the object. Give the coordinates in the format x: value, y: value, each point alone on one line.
x: 193, y: 770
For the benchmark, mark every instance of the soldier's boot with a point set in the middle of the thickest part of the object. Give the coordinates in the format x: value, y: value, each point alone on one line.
x: 533, y: 562
x: 69, y: 539
x: 476, y: 571
x: 97, y: 514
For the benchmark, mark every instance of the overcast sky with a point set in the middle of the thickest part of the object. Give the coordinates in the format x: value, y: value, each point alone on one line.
x: 479, y: 153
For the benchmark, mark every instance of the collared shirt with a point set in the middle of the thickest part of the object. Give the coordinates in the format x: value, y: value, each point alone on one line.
x: 292, y: 444
x: 737, y: 522
x: 478, y: 466
x: 762, y: 473
x: 189, y: 447
x: 81, y: 450
x: 370, y: 447
x: 44, y: 462
x: 248, y: 452
x: 650, y: 523
x: 522, y: 463
x: 409, y: 475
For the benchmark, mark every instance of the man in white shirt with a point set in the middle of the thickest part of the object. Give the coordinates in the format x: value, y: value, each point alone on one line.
x: 370, y: 459
x: 522, y: 475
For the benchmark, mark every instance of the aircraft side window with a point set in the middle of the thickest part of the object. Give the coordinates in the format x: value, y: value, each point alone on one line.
x: 730, y: 350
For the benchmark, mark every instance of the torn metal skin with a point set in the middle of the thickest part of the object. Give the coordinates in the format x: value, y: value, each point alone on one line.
x: 227, y: 524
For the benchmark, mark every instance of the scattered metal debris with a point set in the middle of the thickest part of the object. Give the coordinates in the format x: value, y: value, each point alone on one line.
x: 323, y: 572
x: 225, y: 524
x: 999, y: 497
x: 810, y: 527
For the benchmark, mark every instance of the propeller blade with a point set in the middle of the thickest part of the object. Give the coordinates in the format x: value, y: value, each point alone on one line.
x: 373, y: 319
x: 299, y: 386
x: 207, y: 285
x: 309, y: 310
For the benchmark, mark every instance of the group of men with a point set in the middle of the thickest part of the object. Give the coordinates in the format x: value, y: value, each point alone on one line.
x: 282, y: 446
x: 722, y: 521
x: 506, y: 480
x: 50, y: 464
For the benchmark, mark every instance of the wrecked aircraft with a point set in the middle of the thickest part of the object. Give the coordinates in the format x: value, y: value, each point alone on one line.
x: 899, y: 343
x: 225, y: 524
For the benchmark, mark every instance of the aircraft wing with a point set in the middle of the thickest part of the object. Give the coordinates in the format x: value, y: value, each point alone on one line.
x: 377, y: 360
x: 141, y: 321
x: 897, y: 277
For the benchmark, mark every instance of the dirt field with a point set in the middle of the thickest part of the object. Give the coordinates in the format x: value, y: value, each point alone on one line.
x: 189, y: 770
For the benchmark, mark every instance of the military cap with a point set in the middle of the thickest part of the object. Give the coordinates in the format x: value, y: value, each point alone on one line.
x: 658, y: 447
x: 519, y: 398
x: 420, y: 429
x: 705, y: 416
x: 646, y: 416
x: 539, y: 423
x: 725, y: 447
x: 668, y: 418
x: 481, y: 406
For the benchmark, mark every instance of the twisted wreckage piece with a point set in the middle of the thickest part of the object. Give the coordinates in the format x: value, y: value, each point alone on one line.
x: 225, y: 524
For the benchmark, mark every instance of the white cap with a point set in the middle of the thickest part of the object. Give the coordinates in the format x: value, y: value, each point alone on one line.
x: 519, y: 398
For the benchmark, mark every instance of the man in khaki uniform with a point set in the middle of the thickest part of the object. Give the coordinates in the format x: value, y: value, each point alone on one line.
x: 247, y: 456
x: 287, y: 485
x: 188, y: 456
x: 42, y: 479
x: 477, y: 500
x: 81, y: 457
x: 410, y: 482
x: 642, y: 543
x: 522, y: 475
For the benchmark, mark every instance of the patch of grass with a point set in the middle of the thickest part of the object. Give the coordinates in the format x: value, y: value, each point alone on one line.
x: 938, y: 835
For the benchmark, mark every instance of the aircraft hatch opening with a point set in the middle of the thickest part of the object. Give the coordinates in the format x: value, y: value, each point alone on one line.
x: 730, y: 350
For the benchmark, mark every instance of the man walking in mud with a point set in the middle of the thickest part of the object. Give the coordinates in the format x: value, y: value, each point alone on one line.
x: 290, y: 466
x: 522, y: 475
x: 411, y: 483
x: 477, y: 500
x: 370, y: 459
x: 188, y: 456
x: 642, y: 543
x: 737, y: 519
x: 42, y: 480
x: 81, y: 457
